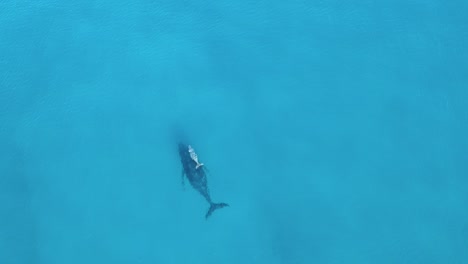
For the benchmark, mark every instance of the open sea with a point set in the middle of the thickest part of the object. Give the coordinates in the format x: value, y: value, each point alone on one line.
x: 336, y: 131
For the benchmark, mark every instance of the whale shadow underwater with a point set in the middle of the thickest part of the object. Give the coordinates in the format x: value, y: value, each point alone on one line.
x: 195, y: 172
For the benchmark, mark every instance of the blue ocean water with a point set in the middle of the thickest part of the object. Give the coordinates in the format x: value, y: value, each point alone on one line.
x: 336, y: 131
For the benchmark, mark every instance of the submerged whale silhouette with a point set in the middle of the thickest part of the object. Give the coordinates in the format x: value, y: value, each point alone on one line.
x: 196, y: 175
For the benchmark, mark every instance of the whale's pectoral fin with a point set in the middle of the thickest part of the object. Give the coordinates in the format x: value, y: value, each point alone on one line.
x: 183, y: 179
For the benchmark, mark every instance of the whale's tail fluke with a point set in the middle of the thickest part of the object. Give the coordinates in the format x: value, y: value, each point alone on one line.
x: 215, y: 206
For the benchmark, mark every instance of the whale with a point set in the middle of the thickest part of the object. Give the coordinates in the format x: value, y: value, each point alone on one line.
x: 195, y: 172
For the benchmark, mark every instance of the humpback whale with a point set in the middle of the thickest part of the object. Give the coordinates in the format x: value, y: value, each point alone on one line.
x: 196, y: 174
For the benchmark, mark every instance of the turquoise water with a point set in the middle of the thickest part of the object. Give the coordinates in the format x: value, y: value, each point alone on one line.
x: 336, y: 130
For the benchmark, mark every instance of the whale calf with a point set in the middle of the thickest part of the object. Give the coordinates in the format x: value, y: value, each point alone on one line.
x: 195, y: 173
